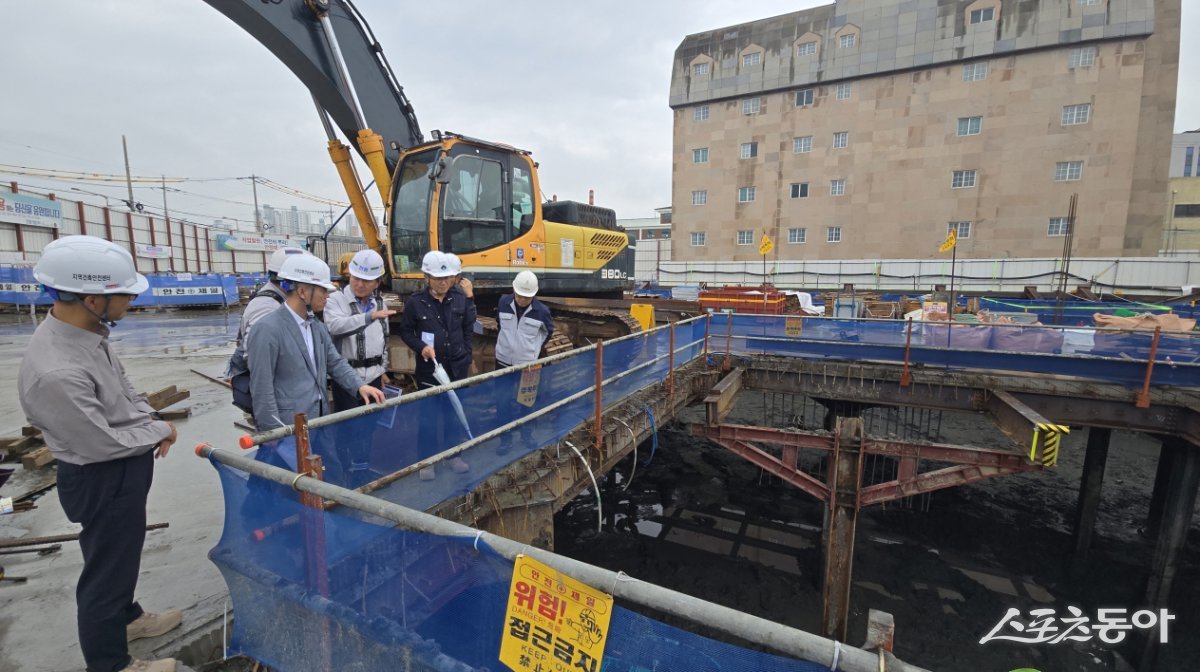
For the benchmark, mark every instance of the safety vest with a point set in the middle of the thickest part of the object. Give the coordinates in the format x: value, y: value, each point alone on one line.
x: 365, y: 345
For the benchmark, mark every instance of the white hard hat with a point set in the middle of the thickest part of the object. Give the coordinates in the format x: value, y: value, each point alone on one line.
x: 278, y: 256
x: 437, y: 264
x: 307, y: 269
x: 455, y: 262
x: 525, y: 284
x: 89, y: 265
x: 366, y: 265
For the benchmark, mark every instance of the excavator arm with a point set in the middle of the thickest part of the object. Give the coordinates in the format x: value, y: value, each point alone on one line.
x: 290, y: 30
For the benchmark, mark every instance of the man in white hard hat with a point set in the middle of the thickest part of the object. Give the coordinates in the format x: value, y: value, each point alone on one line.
x: 525, y: 326
x: 266, y: 300
x: 290, y: 351
x: 105, y: 437
x: 358, y: 321
x: 438, y: 323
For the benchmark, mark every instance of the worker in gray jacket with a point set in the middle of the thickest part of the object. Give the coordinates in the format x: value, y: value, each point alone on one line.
x: 105, y: 437
x: 290, y: 351
x: 265, y: 301
x: 358, y: 321
x: 525, y: 326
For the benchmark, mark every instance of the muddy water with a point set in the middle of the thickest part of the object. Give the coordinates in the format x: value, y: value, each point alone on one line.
x: 947, y: 565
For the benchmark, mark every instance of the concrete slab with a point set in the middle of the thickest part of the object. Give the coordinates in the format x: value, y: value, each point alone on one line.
x: 157, y: 350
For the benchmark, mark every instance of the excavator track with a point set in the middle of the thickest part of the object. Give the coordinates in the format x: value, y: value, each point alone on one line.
x: 584, y: 326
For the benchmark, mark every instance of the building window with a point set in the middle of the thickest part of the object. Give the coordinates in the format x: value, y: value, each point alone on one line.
x: 841, y: 139
x: 1088, y: 3
x: 647, y: 235
x: 751, y: 106
x: 981, y: 15
x: 750, y: 60
x: 1081, y: 57
x: 837, y: 187
x: 749, y: 150
x: 799, y: 190
x: 697, y: 239
x: 1187, y: 210
x: 700, y: 70
x: 843, y: 90
x: 699, y: 197
x: 833, y: 234
x: 1188, y: 153
x: 745, y: 237
x: 797, y: 236
x: 700, y: 113
x: 1058, y: 226
x: 973, y: 72
x: 963, y: 179
x: 847, y: 41
x: 802, y: 144
x: 1076, y: 114
x: 746, y: 194
x: 1068, y: 171
x: 804, y: 97
x: 700, y: 155
x: 961, y: 229
x: 806, y: 48
x: 970, y: 125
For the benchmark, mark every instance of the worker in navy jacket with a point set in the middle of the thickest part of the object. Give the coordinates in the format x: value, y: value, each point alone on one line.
x: 437, y: 322
x: 525, y: 323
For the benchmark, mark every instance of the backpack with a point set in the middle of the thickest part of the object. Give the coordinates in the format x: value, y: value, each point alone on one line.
x: 240, y: 384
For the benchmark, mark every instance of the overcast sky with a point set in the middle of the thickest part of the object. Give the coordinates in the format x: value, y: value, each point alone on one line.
x: 583, y: 85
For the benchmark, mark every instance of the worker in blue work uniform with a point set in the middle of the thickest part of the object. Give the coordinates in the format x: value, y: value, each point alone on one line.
x: 105, y: 437
x: 525, y: 326
x: 438, y: 323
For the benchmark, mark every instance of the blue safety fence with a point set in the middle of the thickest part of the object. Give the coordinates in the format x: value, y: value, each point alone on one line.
x: 1111, y: 355
x: 18, y: 287
x: 379, y: 595
x: 251, y: 279
x: 1078, y: 313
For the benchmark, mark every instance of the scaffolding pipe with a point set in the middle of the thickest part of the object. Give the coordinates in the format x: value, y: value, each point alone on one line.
x: 251, y: 440
x: 777, y: 637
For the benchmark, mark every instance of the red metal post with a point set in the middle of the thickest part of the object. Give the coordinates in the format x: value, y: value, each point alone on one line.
x: 153, y: 241
x: 170, y: 243
x: 1143, y: 398
x: 728, y: 337
x: 20, y: 239
x: 671, y: 364
x: 196, y: 244
x: 132, y: 244
x: 207, y: 251
x: 905, y: 378
x: 107, y: 223
x: 599, y: 425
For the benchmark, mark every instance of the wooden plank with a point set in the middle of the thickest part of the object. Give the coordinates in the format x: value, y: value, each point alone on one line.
x: 30, y: 431
x: 154, y: 398
x: 171, y: 400
x: 219, y: 381
x: 37, y: 458
x: 21, y: 444
x: 177, y: 414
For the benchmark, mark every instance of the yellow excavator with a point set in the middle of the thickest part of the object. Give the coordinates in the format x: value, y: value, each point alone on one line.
x: 477, y: 199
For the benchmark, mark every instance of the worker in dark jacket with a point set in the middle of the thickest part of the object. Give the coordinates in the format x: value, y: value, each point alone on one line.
x: 105, y: 437
x: 437, y: 324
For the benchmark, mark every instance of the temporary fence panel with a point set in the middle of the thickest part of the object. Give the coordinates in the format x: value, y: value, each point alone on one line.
x: 1099, y: 354
x: 19, y: 287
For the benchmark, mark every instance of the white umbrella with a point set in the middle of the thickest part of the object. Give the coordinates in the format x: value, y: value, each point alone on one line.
x: 440, y: 374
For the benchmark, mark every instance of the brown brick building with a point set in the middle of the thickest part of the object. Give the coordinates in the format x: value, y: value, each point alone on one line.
x: 865, y: 129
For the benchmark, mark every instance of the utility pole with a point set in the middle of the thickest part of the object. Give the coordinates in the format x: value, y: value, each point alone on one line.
x: 166, y: 215
x: 257, y: 222
x: 128, y: 177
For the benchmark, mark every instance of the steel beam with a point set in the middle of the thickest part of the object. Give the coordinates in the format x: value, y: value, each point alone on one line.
x: 776, y: 467
x: 1089, y: 497
x: 845, y: 482
x: 718, y: 403
x: 939, y: 479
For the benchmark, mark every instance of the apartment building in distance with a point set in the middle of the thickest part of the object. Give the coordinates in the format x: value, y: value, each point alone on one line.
x: 866, y: 129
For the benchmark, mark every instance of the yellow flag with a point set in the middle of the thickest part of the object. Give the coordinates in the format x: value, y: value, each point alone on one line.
x: 765, y: 245
x: 950, y: 242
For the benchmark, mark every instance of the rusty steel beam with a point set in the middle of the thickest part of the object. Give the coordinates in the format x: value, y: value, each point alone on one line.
x: 845, y: 478
x: 939, y: 479
x: 750, y: 434
x: 776, y: 467
x: 720, y: 401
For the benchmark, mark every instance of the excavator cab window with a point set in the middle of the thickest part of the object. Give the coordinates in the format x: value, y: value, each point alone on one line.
x: 522, y: 199
x: 473, y: 213
x: 410, y: 210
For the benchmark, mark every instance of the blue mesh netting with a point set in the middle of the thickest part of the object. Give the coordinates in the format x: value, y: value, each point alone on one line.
x: 383, y: 596
x: 1108, y: 355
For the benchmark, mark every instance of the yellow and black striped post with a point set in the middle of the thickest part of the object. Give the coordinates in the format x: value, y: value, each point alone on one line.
x: 1045, y: 444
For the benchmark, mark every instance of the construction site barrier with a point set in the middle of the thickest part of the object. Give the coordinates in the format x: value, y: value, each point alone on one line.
x: 19, y: 287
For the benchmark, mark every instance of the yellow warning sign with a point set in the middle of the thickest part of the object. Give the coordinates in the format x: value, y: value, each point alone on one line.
x: 1045, y: 444
x: 765, y: 245
x: 793, y: 326
x: 528, y: 388
x: 553, y: 622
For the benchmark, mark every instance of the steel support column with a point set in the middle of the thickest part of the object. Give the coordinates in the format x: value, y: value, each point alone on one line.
x: 844, y: 482
x: 1167, y: 452
x: 1177, y: 518
x: 1094, y: 462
